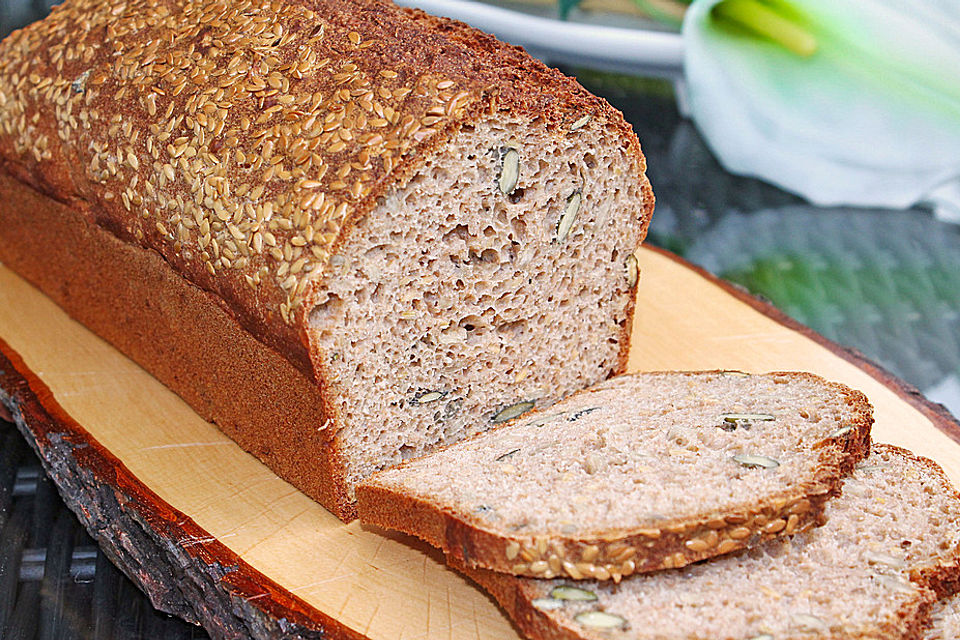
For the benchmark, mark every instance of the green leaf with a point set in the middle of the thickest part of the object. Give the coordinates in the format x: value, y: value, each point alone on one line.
x: 566, y: 6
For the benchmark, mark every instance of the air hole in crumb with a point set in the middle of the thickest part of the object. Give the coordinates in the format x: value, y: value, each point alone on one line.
x: 471, y: 323
x: 516, y: 196
x: 329, y: 307
x: 460, y: 232
x: 512, y: 327
x: 590, y: 160
x: 490, y: 255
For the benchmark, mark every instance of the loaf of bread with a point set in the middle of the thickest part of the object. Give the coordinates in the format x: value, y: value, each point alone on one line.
x: 344, y: 231
x: 638, y: 473
x: 889, y: 550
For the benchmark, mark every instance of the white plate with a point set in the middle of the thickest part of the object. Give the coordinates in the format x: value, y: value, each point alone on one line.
x: 636, y: 51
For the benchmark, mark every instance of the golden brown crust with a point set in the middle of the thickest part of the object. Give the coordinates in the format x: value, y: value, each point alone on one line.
x: 181, y: 334
x: 619, y: 553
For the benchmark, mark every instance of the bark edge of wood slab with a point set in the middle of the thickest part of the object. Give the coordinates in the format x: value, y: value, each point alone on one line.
x: 183, y: 570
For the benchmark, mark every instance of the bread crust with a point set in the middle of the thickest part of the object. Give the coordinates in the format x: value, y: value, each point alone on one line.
x: 148, y: 122
x: 619, y: 553
x: 911, y: 620
x: 182, y: 335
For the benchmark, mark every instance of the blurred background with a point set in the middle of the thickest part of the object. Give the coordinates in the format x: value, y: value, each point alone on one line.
x: 882, y: 280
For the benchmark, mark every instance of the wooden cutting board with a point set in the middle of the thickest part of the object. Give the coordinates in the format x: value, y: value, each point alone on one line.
x: 215, y: 537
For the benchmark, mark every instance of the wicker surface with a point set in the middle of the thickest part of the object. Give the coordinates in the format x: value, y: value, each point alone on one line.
x: 885, y: 282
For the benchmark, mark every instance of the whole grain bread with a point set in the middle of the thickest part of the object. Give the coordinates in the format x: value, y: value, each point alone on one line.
x: 345, y: 231
x: 889, y: 549
x: 638, y: 473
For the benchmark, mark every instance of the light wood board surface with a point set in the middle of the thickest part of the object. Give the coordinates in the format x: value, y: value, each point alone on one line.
x: 390, y: 586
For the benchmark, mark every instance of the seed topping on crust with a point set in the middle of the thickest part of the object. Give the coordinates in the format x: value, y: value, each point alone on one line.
x: 252, y: 131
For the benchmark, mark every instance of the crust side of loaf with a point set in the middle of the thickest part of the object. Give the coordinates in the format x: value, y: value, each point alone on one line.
x: 433, y: 57
x: 182, y: 335
x: 911, y: 622
x: 620, y: 553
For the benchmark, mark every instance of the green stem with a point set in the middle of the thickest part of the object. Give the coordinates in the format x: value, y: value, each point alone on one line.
x: 760, y: 19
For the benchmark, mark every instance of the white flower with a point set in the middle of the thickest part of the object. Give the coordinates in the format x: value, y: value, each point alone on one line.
x: 842, y: 101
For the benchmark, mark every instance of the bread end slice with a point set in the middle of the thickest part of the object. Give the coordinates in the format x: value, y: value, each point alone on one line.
x: 639, y: 473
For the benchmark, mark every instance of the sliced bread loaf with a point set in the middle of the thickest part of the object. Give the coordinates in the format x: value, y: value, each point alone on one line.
x: 345, y: 231
x: 889, y: 549
x: 641, y: 472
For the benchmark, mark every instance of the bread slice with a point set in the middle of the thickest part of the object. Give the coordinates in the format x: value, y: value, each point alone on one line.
x: 346, y: 231
x: 641, y: 472
x: 889, y: 549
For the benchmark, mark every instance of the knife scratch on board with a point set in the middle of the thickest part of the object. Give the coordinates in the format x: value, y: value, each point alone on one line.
x: 190, y: 541
x: 184, y: 445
